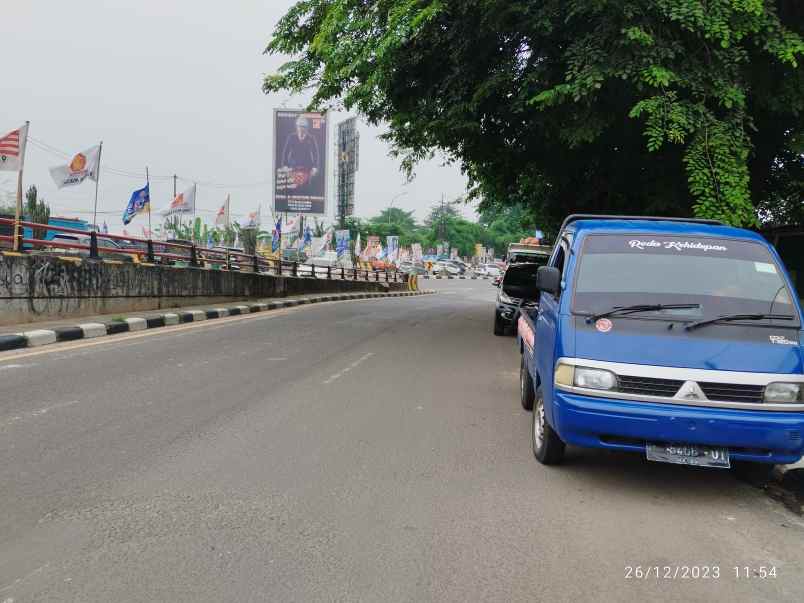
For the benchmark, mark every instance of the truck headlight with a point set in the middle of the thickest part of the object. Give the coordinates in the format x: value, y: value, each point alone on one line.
x: 783, y: 392
x: 595, y: 378
x: 581, y: 376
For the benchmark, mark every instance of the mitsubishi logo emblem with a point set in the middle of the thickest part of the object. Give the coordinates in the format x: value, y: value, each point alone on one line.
x: 690, y: 391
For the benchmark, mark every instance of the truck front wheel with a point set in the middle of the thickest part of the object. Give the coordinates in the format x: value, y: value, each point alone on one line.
x: 547, y: 446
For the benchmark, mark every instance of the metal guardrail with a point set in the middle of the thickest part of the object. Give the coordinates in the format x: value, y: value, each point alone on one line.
x: 175, y: 254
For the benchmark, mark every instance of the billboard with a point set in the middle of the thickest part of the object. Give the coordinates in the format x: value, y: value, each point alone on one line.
x: 300, y: 162
x: 347, y: 163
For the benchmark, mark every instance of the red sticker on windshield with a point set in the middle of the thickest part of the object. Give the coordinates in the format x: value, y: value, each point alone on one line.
x: 604, y: 325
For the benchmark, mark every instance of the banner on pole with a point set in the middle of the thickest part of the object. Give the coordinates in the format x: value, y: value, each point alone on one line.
x: 12, y: 149
x: 139, y: 203
x: 184, y: 203
x: 392, y: 251
x: 82, y: 166
x: 300, y: 162
x: 342, y: 240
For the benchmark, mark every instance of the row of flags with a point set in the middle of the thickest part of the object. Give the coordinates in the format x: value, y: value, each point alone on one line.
x: 86, y: 166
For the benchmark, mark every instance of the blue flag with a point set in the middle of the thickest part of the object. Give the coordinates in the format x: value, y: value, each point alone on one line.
x: 276, y: 242
x: 140, y: 202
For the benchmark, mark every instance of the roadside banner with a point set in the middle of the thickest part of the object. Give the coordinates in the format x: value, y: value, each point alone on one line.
x: 357, y: 246
x: 392, y: 252
x: 342, y: 239
x: 453, y: 254
x: 416, y: 250
x: 276, y: 241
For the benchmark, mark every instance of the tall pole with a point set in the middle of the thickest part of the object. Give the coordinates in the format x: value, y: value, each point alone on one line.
x: 174, y: 185
x: 18, y: 209
x: 148, y: 185
x: 97, y: 182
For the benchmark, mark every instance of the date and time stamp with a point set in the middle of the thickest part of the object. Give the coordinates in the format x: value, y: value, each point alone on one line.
x: 699, y: 572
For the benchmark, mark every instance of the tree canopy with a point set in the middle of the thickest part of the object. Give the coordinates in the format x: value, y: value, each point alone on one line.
x: 633, y: 106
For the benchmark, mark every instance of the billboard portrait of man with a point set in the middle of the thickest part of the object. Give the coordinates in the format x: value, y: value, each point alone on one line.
x: 300, y: 182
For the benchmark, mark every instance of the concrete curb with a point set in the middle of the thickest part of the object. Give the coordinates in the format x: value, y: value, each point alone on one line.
x: 40, y: 337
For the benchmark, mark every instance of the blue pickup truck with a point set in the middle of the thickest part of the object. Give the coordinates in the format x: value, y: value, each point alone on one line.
x: 677, y: 339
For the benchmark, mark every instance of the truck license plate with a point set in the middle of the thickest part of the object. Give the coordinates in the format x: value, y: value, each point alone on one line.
x: 689, y: 454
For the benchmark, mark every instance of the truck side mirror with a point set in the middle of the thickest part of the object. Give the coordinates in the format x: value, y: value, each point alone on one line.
x: 548, y: 280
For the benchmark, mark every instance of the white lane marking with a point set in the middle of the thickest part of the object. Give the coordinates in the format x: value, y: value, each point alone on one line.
x: 22, y: 579
x: 33, y: 414
x: 7, y: 367
x: 351, y: 367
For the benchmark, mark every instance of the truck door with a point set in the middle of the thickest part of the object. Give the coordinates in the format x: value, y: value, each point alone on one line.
x: 546, y: 328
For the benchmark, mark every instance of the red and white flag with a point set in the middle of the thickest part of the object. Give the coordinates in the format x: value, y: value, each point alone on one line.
x: 12, y: 149
x: 222, y: 217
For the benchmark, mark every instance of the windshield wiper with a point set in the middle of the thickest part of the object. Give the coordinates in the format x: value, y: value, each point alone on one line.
x: 641, y: 308
x: 730, y: 317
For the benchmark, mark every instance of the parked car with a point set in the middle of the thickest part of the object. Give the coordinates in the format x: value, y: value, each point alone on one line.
x: 444, y: 266
x: 677, y: 339
x: 104, y: 247
x: 518, y: 290
x: 328, y: 258
x: 491, y: 270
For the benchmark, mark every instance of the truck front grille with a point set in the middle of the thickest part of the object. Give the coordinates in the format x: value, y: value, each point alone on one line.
x: 667, y: 388
x: 648, y: 386
x: 731, y: 392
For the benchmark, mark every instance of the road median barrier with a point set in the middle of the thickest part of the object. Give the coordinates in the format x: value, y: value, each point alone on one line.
x: 118, y: 325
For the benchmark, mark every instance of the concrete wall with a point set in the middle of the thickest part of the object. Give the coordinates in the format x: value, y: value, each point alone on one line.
x: 36, y: 288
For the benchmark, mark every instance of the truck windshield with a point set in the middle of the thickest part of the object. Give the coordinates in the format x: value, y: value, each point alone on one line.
x: 723, y: 276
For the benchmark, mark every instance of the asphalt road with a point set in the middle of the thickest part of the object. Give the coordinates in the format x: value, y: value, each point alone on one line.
x: 359, y: 451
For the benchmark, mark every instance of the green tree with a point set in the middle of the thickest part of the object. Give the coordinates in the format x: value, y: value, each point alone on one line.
x: 627, y: 106
x: 37, y: 210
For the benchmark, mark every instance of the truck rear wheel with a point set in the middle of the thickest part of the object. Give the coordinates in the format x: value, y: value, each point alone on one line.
x: 526, y: 393
x: 547, y: 446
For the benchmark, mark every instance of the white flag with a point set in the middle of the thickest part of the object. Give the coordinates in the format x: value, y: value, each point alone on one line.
x: 222, y: 217
x: 12, y: 149
x: 82, y: 166
x: 184, y: 203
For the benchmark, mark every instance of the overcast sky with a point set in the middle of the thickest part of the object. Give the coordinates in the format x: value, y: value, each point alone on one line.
x: 174, y: 85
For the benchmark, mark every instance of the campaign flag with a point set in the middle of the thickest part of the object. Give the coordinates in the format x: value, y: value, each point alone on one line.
x: 342, y: 239
x: 276, y: 242
x: 105, y: 228
x: 140, y: 202
x: 253, y: 220
x: 306, y: 240
x: 538, y: 234
x: 210, y: 241
x: 82, y: 166
x: 392, y: 248
x: 357, y: 246
x: 184, y: 203
x: 12, y: 149
x: 222, y: 217
x: 326, y: 243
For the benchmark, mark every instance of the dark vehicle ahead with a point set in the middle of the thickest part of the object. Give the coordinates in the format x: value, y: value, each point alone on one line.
x: 517, y: 290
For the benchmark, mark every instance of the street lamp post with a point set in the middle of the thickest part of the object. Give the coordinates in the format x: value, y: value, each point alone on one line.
x: 391, y: 204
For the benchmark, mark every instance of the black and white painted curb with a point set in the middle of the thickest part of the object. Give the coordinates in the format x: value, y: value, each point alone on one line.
x: 40, y: 337
x: 438, y: 277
